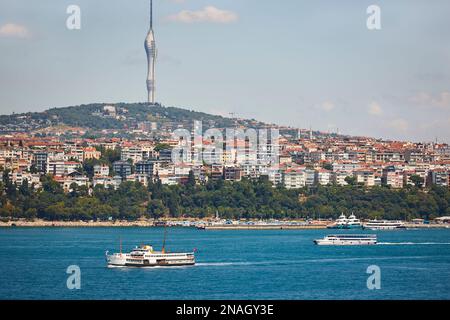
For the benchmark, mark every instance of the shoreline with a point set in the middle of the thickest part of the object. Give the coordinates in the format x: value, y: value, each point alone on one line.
x: 265, y: 227
x: 150, y: 224
x: 75, y: 224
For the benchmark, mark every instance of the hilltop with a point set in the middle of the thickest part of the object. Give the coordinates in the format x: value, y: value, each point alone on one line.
x: 101, y: 116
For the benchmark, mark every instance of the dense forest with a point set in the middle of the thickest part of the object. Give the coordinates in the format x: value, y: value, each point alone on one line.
x: 245, y: 199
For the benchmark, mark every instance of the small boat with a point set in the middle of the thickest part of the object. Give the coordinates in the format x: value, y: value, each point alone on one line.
x: 383, y: 225
x: 347, y: 240
x: 160, y: 224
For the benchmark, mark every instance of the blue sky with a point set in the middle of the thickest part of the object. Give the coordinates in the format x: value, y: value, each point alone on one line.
x: 299, y: 63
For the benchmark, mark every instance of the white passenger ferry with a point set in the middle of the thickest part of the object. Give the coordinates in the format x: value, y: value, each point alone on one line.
x: 347, y: 240
x: 383, y: 225
x: 145, y: 256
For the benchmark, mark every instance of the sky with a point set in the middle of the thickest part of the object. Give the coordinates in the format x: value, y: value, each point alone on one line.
x: 291, y: 62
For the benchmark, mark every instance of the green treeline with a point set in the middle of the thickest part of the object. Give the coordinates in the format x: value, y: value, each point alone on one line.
x: 244, y: 199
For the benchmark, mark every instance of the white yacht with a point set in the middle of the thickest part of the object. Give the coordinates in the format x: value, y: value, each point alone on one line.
x: 353, y: 222
x: 347, y: 240
x: 340, y: 223
x: 383, y: 225
x: 145, y: 256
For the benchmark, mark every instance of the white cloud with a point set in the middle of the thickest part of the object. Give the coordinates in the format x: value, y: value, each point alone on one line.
x: 12, y: 30
x: 399, y: 124
x: 327, y: 106
x: 207, y: 14
x: 441, y: 100
x: 375, y: 109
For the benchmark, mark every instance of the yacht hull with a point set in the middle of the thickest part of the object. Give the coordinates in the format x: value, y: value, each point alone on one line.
x: 353, y: 226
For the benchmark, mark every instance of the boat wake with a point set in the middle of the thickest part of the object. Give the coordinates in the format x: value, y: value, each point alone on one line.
x: 412, y: 243
x: 223, y: 264
x: 296, y: 262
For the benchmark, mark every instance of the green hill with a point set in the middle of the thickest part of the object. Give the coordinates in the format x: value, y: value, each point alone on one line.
x: 93, y: 116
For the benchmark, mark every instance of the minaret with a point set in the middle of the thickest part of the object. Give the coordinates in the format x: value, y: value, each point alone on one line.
x: 150, y: 49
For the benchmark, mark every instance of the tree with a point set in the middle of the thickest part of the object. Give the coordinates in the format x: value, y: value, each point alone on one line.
x: 157, y: 209
x: 73, y: 189
x: 5, y: 176
x: 417, y: 180
x: 191, y: 179
x: 249, y: 198
x: 50, y: 185
x: 24, y: 188
x: 30, y: 213
x: 9, y: 211
x: 350, y: 180
x: 327, y: 166
x: 161, y: 146
x: 88, y: 166
x: 172, y: 204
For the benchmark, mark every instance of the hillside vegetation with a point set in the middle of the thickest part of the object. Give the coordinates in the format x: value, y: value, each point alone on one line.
x: 245, y: 199
x: 84, y: 116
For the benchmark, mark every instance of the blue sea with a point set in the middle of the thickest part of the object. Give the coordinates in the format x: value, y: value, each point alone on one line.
x: 275, y: 264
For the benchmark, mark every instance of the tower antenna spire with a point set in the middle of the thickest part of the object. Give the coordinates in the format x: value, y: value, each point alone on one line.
x: 150, y: 48
x: 151, y: 14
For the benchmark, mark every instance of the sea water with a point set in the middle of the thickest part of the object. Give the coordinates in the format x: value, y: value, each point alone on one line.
x: 231, y: 264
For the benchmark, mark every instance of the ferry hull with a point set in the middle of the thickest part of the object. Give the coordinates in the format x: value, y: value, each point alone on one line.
x: 380, y: 228
x: 344, y: 243
x: 347, y: 240
x: 124, y: 260
x: 375, y: 228
x: 134, y: 265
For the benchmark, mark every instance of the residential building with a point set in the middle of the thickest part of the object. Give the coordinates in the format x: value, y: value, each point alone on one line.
x: 365, y: 176
x: 101, y: 170
x: 122, y: 169
x: 294, y: 178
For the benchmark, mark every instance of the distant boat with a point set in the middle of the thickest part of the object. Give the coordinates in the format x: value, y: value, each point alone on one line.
x: 353, y: 222
x: 347, y: 240
x: 346, y: 223
x: 160, y: 223
x: 383, y: 225
x: 340, y: 223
